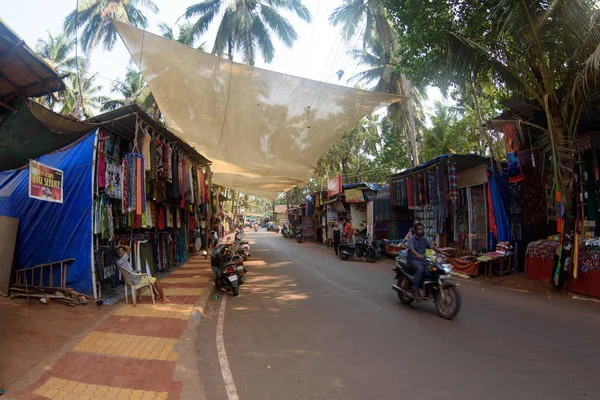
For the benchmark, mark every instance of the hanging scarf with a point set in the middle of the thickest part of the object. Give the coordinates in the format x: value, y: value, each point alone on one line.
x: 515, y: 170
x: 452, y: 181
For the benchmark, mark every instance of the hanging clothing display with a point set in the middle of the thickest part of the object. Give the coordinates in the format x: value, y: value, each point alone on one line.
x: 515, y: 171
x: 113, y: 179
x: 146, y: 142
x: 452, y: 181
x: 133, y: 186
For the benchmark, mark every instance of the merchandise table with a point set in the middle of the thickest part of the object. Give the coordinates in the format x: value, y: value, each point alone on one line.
x: 539, y: 260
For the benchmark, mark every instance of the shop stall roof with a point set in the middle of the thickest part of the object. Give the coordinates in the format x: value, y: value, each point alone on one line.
x: 22, y: 72
x: 122, y: 121
x: 463, y: 161
x: 31, y: 131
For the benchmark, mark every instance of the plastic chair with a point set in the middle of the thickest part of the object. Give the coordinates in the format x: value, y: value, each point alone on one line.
x: 128, y: 277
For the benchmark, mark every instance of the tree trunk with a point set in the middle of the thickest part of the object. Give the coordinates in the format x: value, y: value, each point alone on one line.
x: 413, y: 126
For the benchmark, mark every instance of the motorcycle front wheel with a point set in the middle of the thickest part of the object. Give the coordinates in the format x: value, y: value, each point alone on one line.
x: 344, y: 256
x: 449, y: 306
x: 404, y: 284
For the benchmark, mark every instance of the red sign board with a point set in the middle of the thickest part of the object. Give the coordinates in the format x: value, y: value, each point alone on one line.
x: 334, y: 186
x: 45, y: 182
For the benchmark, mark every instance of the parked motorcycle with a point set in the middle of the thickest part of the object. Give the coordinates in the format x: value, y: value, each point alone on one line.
x: 228, y: 268
x: 299, y: 235
x: 435, y: 285
x: 362, y: 249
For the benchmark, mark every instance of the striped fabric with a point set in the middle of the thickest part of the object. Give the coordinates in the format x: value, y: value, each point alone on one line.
x: 452, y: 181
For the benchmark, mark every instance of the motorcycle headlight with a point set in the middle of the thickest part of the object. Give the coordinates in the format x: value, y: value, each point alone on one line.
x: 447, y: 268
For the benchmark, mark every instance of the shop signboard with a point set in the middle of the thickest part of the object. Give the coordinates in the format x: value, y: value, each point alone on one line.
x: 370, y: 219
x: 332, y: 215
x: 334, y: 186
x: 354, y: 196
x: 45, y: 182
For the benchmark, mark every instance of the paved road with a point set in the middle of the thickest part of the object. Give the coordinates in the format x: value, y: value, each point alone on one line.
x: 310, y: 326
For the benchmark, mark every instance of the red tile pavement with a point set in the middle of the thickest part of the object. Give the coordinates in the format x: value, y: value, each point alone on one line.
x: 194, y: 275
x: 185, y: 285
x: 144, y: 326
x: 155, y: 375
x: 175, y: 299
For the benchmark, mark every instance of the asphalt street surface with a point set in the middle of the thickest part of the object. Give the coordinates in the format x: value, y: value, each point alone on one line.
x: 310, y: 326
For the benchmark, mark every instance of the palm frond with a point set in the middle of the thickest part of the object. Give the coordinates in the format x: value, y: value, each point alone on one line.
x: 166, y: 31
x: 280, y: 25
x: 263, y: 38
x: 349, y: 15
x: 224, y: 33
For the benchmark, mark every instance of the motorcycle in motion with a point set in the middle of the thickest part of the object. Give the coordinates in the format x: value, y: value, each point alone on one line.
x: 228, y: 268
x: 362, y: 249
x: 435, y: 285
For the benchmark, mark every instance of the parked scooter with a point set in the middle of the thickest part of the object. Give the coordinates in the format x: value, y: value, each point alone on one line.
x: 228, y: 268
x: 242, y: 247
x: 435, y: 285
x: 362, y: 249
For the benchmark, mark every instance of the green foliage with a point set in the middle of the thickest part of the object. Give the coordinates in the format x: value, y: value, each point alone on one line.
x: 93, y: 20
x: 132, y: 90
x: 185, y: 36
x: 247, y: 26
x: 58, y: 52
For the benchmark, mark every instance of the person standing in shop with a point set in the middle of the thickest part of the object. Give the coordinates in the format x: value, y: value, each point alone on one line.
x: 348, y: 231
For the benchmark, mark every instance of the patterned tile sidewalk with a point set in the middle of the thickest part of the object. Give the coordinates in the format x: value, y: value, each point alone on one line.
x: 132, y: 353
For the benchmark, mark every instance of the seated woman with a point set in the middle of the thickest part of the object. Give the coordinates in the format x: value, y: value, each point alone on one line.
x: 123, y: 252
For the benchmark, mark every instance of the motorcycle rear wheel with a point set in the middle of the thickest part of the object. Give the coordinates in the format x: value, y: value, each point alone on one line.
x: 235, y: 291
x: 370, y: 255
x: 449, y: 307
x: 404, y: 284
x: 344, y: 256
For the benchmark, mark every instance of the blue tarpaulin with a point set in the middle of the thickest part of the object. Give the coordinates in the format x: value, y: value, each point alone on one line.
x: 498, y: 182
x: 50, y: 232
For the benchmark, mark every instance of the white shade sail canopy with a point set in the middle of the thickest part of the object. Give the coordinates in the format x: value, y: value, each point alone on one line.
x: 263, y: 131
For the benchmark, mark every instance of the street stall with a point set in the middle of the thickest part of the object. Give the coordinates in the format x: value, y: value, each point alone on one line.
x: 126, y: 181
x: 585, y: 276
x: 357, y: 197
x: 458, y: 200
x: 152, y: 193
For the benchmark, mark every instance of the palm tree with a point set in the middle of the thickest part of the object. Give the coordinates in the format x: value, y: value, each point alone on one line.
x: 90, y: 100
x: 186, y: 35
x: 93, y: 18
x: 549, y: 53
x: 58, y: 52
x: 372, y: 16
x: 440, y: 139
x: 132, y: 90
x: 247, y: 25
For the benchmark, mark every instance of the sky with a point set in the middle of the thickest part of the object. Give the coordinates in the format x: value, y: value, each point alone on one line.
x: 318, y: 53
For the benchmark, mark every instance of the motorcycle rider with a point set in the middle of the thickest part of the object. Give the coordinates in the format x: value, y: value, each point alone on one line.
x: 417, y: 246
